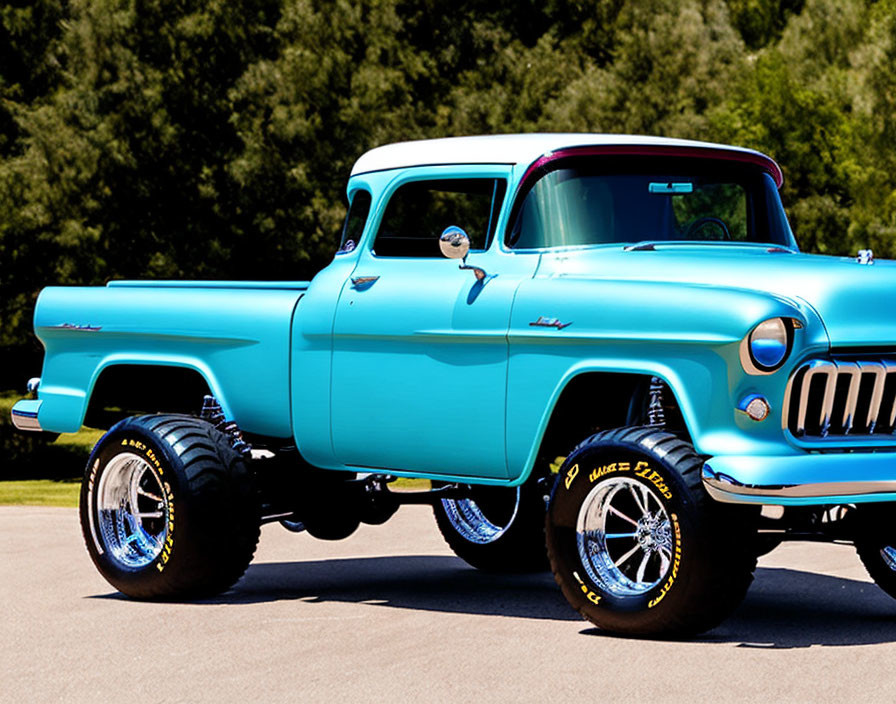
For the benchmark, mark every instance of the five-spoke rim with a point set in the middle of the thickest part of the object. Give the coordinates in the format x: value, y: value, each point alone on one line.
x: 132, y: 511
x: 471, y: 522
x: 624, y: 537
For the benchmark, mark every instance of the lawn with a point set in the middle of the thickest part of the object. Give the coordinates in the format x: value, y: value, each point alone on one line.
x: 40, y: 492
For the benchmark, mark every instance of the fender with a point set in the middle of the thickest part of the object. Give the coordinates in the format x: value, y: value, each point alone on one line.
x: 652, y: 328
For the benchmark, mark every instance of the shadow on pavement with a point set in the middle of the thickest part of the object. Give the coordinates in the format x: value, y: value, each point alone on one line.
x: 783, y: 609
x: 794, y: 609
x: 420, y: 582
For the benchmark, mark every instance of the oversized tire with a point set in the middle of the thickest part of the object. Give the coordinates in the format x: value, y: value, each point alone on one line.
x: 875, y: 542
x: 497, y: 529
x: 636, y: 544
x: 168, y: 508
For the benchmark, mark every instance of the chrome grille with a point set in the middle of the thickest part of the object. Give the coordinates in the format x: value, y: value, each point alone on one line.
x: 842, y: 397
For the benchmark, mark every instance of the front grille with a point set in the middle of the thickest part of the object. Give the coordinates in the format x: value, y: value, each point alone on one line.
x: 839, y: 398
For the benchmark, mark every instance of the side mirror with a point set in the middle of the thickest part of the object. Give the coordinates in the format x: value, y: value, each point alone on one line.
x: 454, y: 243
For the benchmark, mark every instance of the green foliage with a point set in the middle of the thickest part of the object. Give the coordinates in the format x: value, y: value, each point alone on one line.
x: 172, y: 138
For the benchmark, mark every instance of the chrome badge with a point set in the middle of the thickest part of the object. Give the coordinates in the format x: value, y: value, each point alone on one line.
x: 543, y: 322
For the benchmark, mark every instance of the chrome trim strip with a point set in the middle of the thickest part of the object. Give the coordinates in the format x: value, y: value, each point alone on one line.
x: 852, y: 395
x: 827, y: 405
x: 816, y: 367
x: 891, y: 369
x: 785, y: 408
x: 722, y: 490
x: 77, y: 327
x: 880, y: 379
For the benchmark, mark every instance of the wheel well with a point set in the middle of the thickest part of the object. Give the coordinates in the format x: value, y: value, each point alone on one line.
x: 604, y: 400
x: 129, y: 389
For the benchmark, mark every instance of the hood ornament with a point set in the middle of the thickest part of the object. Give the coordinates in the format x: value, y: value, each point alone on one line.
x: 865, y: 256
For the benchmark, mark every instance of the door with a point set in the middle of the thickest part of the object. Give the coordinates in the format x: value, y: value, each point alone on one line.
x: 420, y: 345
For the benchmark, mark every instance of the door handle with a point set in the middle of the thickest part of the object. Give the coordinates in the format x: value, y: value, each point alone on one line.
x: 364, y: 281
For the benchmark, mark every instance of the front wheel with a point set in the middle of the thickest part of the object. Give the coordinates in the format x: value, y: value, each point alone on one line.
x: 875, y: 542
x: 168, y: 508
x: 636, y: 544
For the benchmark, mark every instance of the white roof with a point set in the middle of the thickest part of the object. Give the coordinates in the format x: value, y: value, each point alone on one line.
x: 504, y: 149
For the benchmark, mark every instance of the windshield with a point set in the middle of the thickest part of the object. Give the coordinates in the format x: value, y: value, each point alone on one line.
x: 661, y: 199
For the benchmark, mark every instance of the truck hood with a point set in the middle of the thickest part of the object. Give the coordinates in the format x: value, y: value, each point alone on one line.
x: 856, y: 303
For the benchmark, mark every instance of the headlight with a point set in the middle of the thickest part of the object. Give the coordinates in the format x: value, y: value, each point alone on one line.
x: 766, y: 348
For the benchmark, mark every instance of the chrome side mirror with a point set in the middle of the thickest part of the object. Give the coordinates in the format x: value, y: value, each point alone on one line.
x: 455, y: 244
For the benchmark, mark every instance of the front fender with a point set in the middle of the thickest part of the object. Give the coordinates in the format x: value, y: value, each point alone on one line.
x: 688, y: 335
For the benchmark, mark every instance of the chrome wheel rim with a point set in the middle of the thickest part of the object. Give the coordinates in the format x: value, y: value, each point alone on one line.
x: 131, y: 511
x: 470, y: 521
x: 624, y: 537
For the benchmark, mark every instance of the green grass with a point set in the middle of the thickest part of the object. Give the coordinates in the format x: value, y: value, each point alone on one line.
x: 40, y: 492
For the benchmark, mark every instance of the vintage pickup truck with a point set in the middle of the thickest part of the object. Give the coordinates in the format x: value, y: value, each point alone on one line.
x: 606, y: 353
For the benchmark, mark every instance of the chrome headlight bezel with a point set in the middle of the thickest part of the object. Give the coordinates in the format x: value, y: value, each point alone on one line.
x: 763, y: 331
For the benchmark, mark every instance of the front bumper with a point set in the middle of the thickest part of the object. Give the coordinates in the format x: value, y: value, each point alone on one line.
x: 24, y: 415
x: 803, y: 480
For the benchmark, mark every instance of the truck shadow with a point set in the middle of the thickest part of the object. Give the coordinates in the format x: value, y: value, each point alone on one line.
x: 794, y: 609
x: 784, y: 608
x: 418, y: 582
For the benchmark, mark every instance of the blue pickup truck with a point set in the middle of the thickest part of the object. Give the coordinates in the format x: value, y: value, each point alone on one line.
x: 605, y: 352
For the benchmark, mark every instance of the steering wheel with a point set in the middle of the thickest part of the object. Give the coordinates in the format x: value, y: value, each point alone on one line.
x: 700, y: 223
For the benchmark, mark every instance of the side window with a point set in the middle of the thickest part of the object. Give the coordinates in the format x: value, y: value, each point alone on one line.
x: 355, y: 221
x: 418, y: 212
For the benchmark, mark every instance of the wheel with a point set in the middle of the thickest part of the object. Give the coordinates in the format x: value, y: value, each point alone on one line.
x: 875, y: 542
x: 497, y: 529
x: 168, y: 508
x: 636, y: 544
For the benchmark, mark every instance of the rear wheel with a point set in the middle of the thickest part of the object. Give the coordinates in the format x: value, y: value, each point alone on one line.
x: 497, y: 529
x: 168, y: 508
x: 636, y: 544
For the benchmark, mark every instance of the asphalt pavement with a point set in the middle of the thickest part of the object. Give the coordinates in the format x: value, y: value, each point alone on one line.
x: 390, y: 615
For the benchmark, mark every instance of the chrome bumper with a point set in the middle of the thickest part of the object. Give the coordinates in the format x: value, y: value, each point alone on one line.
x: 24, y: 415
x: 803, y: 480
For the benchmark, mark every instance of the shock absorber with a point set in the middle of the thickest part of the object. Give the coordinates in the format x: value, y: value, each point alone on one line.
x: 656, y: 414
x: 214, y: 414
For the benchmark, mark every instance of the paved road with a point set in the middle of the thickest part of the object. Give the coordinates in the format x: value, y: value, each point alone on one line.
x: 391, y: 615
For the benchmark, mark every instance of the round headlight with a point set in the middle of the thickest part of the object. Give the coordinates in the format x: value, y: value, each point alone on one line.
x: 769, y: 344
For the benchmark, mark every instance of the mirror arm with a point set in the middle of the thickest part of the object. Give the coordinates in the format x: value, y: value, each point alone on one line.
x: 477, y: 271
